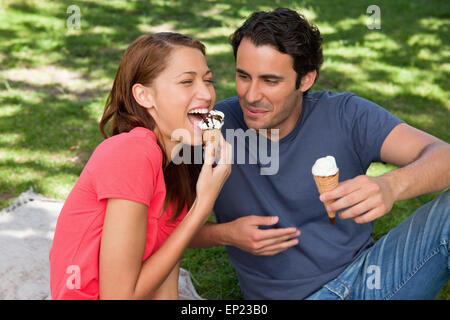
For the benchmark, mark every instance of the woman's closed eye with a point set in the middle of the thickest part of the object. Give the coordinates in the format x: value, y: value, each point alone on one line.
x: 190, y: 81
x: 187, y: 81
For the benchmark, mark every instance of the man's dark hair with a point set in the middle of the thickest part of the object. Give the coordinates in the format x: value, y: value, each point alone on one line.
x: 289, y: 32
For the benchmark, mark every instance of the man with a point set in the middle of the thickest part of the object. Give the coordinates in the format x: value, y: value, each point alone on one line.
x: 260, y: 217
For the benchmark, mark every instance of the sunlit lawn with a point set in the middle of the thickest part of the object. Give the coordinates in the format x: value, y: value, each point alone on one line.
x: 54, y: 82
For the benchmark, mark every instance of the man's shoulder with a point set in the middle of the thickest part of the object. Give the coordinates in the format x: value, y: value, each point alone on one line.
x: 331, y: 104
x: 328, y: 96
x: 228, y: 104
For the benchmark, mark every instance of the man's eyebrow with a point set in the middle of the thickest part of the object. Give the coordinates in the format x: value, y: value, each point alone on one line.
x: 194, y: 73
x: 241, y: 71
x: 271, y: 76
x: 263, y: 76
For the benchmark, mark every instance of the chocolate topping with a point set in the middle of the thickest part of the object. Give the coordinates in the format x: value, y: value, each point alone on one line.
x: 207, y: 117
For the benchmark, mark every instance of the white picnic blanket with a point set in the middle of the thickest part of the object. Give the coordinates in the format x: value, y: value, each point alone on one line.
x: 26, y: 232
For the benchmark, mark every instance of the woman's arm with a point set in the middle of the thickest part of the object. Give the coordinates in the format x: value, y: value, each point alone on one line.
x: 169, y: 289
x: 122, y: 247
x: 122, y: 273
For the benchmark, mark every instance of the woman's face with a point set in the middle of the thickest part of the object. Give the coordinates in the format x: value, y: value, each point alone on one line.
x: 180, y: 92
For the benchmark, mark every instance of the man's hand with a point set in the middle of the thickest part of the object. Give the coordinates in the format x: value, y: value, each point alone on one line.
x: 363, y: 194
x: 424, y: 167
x: 245, y: 235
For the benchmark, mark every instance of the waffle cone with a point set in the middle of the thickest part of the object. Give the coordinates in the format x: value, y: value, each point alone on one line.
x: 212, y: 136
x: 325, y: 184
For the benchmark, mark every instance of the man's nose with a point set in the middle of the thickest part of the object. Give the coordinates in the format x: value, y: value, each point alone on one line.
x: 253, y: 94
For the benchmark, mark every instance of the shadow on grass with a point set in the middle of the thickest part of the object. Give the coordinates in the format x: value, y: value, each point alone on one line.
x: 51, y: 123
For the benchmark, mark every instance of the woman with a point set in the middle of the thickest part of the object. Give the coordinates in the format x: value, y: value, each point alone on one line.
x: 116, y: 236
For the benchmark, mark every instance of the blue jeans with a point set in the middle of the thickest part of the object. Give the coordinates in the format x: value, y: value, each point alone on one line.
x: 410, y: 262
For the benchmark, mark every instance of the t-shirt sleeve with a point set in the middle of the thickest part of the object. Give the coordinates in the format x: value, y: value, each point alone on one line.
x: 125, y: 171
x: 369, y: 125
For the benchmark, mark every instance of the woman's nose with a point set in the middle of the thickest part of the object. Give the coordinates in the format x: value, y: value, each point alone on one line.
x: 204, y: 91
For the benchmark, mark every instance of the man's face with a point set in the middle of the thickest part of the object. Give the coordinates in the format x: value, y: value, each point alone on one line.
x: 265, y: 85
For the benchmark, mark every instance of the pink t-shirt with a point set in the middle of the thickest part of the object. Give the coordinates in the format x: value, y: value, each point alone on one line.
x: 125, y: 166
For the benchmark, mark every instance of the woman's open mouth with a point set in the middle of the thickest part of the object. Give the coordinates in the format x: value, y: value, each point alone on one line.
x: 196, y: 115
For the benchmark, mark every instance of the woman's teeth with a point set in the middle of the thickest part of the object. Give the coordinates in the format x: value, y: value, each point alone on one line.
x: 195, y: 116
x: 199, y: 111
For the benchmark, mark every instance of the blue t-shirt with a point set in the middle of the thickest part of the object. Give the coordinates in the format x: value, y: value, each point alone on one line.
x: 343, y: 125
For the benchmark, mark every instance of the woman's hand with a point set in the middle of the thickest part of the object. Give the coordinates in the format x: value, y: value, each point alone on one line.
x: 211, y: 180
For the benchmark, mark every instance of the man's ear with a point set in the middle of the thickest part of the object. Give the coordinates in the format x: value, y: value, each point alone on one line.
x: 308, y: 80
x: 144, y: 96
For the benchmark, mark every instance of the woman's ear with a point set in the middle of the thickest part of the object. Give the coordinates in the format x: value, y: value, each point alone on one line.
x: 308, y: 80
x: 144, y: 96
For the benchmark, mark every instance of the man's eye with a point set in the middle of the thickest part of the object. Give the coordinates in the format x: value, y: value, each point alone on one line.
x: 186, y: 82
x: 242, y: 76
x: 210, y: 81
x: 270, y: 81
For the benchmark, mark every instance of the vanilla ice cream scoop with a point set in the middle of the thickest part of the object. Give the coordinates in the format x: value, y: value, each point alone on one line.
x: 325, y: 166
x: 212, y: 120
x: 326, y: 176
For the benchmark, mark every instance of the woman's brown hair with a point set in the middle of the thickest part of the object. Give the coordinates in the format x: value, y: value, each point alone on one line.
x: 142, y: 62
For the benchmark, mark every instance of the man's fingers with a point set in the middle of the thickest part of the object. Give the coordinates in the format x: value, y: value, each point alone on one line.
x: 348, y: 200
x: 275, y: 233
x: 337, y: 192
x: 277, y: 240
x: 358, y: 209
x: 263, y: 220
x: 342, y: 189
x: 369, y: 216
x: 277, y: 248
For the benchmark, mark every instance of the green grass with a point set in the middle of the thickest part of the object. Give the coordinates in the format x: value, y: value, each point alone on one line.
x: 54, y: 82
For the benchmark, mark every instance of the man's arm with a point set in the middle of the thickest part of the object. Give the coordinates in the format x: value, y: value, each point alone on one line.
x: 244, y: 234
x: 424, y: 163
x: 210, y: 235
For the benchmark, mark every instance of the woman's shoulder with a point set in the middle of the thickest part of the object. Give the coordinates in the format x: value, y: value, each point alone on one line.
x: 138, y: 144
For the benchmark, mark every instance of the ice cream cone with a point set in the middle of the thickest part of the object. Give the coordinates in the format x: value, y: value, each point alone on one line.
x: 212, y: 136
x: 325, y: 184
